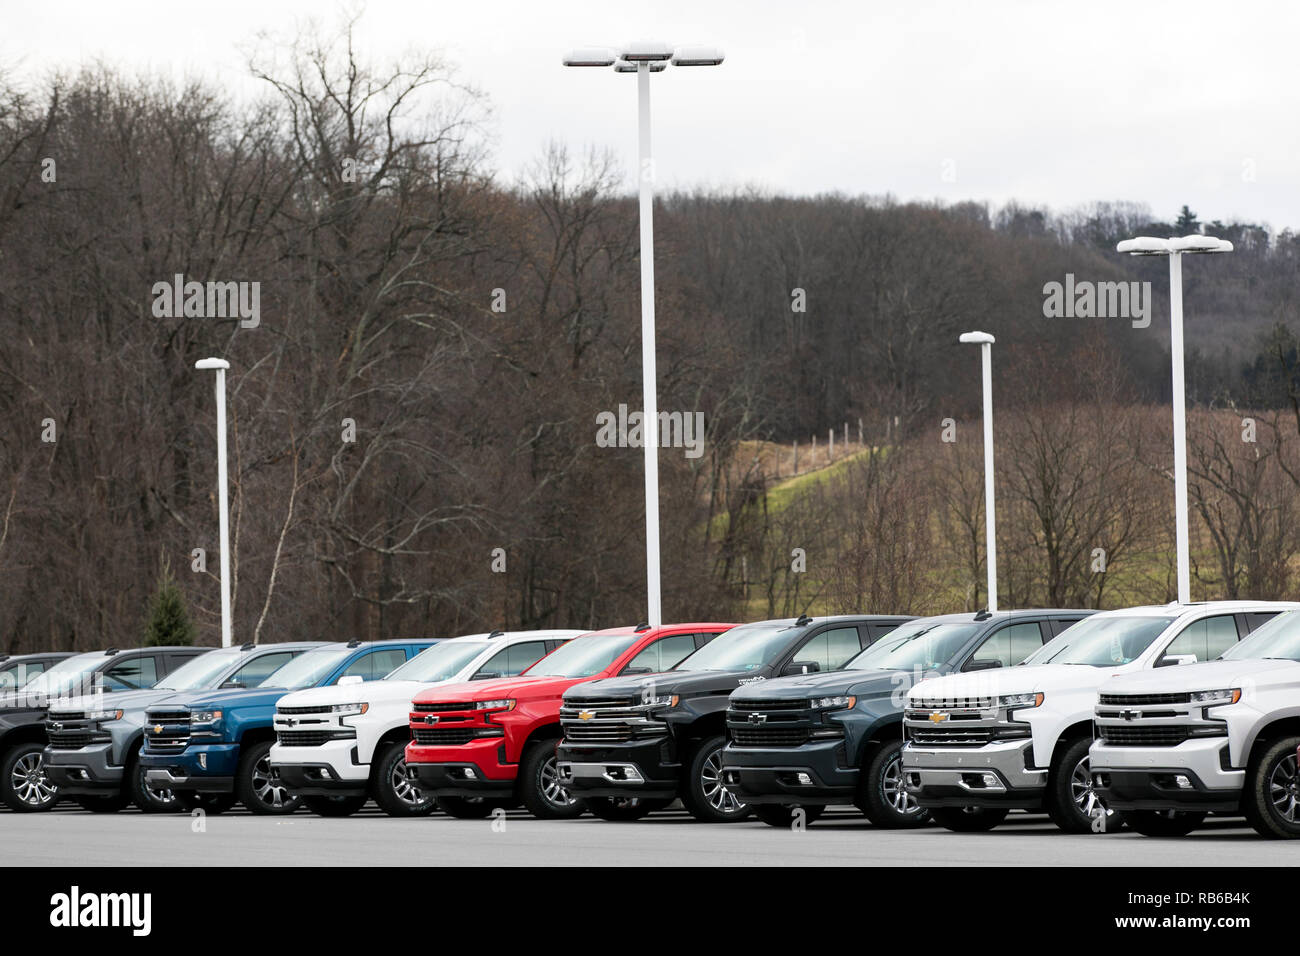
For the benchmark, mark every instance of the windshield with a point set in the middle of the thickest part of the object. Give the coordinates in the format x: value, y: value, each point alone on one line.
x: 309, y: 668
x: 742, y: 648
x: 583, y: 656
x: 65, y: 676
x: 1101, y: 641
x: 440, y: 662
x: 915, y: 645
x: 201, y: 672
x: 1278, y: 639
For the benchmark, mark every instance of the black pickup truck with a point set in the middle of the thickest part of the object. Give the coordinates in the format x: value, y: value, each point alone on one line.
x: 633, y: 743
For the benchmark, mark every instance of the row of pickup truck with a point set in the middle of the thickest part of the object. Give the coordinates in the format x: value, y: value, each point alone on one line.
x: 1148, y: 717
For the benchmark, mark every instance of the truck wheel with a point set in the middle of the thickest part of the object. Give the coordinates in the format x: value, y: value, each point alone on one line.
x: 540, y: 787
x: 257, y: 788
x: 882, y: 796
x: 24, y: 787
x: 467, y: 808
x: 1272, y: 798
x: 623, y: 809
x: 705, y: 795
x: 1163, y: 823
x: 148, y: 799
x: 1072, y: 803
x: 334, y: 806
x: 396, y: 794
x: 967, y: 819
x: 108, y: 803
x: 214, y: 803
x: 783, y: 815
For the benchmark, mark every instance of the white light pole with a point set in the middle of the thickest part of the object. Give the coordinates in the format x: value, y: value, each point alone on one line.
x: 643, y: 58
x: 985, y: 342
x: 223, y: 505
x: 1174, y: 249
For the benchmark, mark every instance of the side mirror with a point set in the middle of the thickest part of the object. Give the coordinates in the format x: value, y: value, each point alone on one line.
x: 486, y: 675
x: 351, y: 679
x: 800, y: 667
x: 984, y: 665
x: 1174, y: 660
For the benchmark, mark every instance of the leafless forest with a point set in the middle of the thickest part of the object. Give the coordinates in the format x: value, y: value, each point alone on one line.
x: 472, y: 328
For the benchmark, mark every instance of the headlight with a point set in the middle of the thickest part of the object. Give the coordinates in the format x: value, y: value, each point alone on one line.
x: 668, y: 700
x: 349, y: 710
x: 1019, y: 701
x: 1230, y: 696
x: 833, y: 703
x: 204, y: 716
x: 503, y: 704
x: 104, y: 715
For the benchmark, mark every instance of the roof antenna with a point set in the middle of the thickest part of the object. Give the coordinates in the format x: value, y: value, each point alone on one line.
x: 643, y: 626
x: 496, y: 634
x: 982, y: 614
x: 803, y: 619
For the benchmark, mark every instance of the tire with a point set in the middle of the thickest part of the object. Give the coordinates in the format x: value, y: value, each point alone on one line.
x: 108, y: 803
x: 783, y: 815
x: 1071, y: 801
x: 467, y: 808
x: 967, y: 819
x: 623, y: 809
x: 540, y: 788
x: 703, y: 792
x: 256, y: 788
x: 334, y: 806
x: 213, y: 803
x: 1163, y: 823
x: 148, y: 799
x: 396, y: 795
x: 24, y: 787
x: 1272, y: 798
x: 881, y: 795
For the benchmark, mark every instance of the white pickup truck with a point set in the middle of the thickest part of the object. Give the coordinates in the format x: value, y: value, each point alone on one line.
x: 982, y: 744
x: 1221, y: 737
x: 338, y: 746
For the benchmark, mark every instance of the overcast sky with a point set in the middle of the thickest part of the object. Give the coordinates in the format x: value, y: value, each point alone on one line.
x: 1045, y: 102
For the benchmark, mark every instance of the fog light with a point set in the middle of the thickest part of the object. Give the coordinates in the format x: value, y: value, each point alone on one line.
x: 804, y: 779
x: 1182, y: 783
x: 203, y: 761
x: 914, y: 780
x: 470, y: 774
x: 990, y: 780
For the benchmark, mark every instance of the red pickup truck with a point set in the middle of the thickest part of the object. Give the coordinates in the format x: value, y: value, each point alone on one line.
x: 486, y: 744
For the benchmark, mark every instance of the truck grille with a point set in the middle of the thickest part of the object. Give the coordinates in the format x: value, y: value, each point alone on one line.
x: 770, y: 736
x: 309, y: 738
x: 438, y: 707
x: 172, y: 734
x: 169, y: 716
x: 609, y: 720
x: 952, y: 736
x: 446, y: 736
x: 950, y: 703
x: 1137, y: 736
x: 1143, y: 700
x: 76, y: 739
x: 602, y: 703
x: 298, y: 710
x: 769, y: 705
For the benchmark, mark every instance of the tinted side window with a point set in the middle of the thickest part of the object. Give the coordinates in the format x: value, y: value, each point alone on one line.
x: 9, y: 677
x: 1255, y: 618
x: 876, y: 631
x: 134, y: 674
x: 1057, y: 626
x: 831, y: 649
x: 514, y: 660
x: 664, y: 654
x: 376, y: 664
x: 1011, y: 644
x: 260, y: 668
x: 702, y: 639
x: 1207, y: 638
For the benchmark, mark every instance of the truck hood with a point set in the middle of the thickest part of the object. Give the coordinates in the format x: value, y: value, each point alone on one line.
x: 370, y: 691
x: 686, y: 683
x: 828, y: 683
x: 240, y: 697
x: 1212, y: 675
x: 1015, y: 680
x: 126, y: 700
x: 515, y: 688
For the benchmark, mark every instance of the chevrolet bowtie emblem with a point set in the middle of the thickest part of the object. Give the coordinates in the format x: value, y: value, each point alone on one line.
x: 938, y: 716
x: 431, y: 718
x: 758, y: 718
x: 585, y: 715
x: 157, y: 728
x: 1131, y: 714
x: 291, y: 722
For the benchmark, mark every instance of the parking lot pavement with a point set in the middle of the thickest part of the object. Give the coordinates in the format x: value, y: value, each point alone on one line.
x: 73, y: 837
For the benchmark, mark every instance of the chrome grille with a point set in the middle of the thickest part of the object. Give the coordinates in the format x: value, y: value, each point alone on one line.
x: 948, y: 703
x: 952, y: 736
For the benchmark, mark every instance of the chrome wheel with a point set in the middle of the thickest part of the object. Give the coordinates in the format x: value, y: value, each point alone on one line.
x: 896, y: 795
x: 404, y: 786
x: 549, y: 784
x: 1082, y: 793
x: 1284, y: 789
x: 268, y: 787
x: 715, y: 791
x: 29, y: 782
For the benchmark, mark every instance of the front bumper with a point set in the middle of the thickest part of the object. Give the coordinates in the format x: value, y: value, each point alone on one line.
x: 475, y: 769
x: 774, y: 774
x: 994, y: 775
x: 87, y: 770
x: 643, y: 768
x: 1148, y: 778
x: 205, y: 768
x: 328, y: 770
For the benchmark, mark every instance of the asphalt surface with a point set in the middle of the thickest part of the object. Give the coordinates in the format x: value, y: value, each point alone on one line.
x: 74, y: 837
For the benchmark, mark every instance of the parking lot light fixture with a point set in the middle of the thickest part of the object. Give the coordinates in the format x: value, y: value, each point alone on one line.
x: 223, y: 504
x: 985, y: 342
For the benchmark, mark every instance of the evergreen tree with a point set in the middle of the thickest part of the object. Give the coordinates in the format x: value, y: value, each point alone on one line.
x: 1187, y: 223
x: 169, y: 623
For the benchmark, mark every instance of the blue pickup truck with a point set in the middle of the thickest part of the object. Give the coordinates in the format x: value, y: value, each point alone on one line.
x: 212, y: 748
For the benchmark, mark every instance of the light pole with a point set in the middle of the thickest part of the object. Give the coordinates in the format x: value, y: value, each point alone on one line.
x: 985, y: 342
x: 223, y: 505
x: 643, y: 58
x: 1174, y: 249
